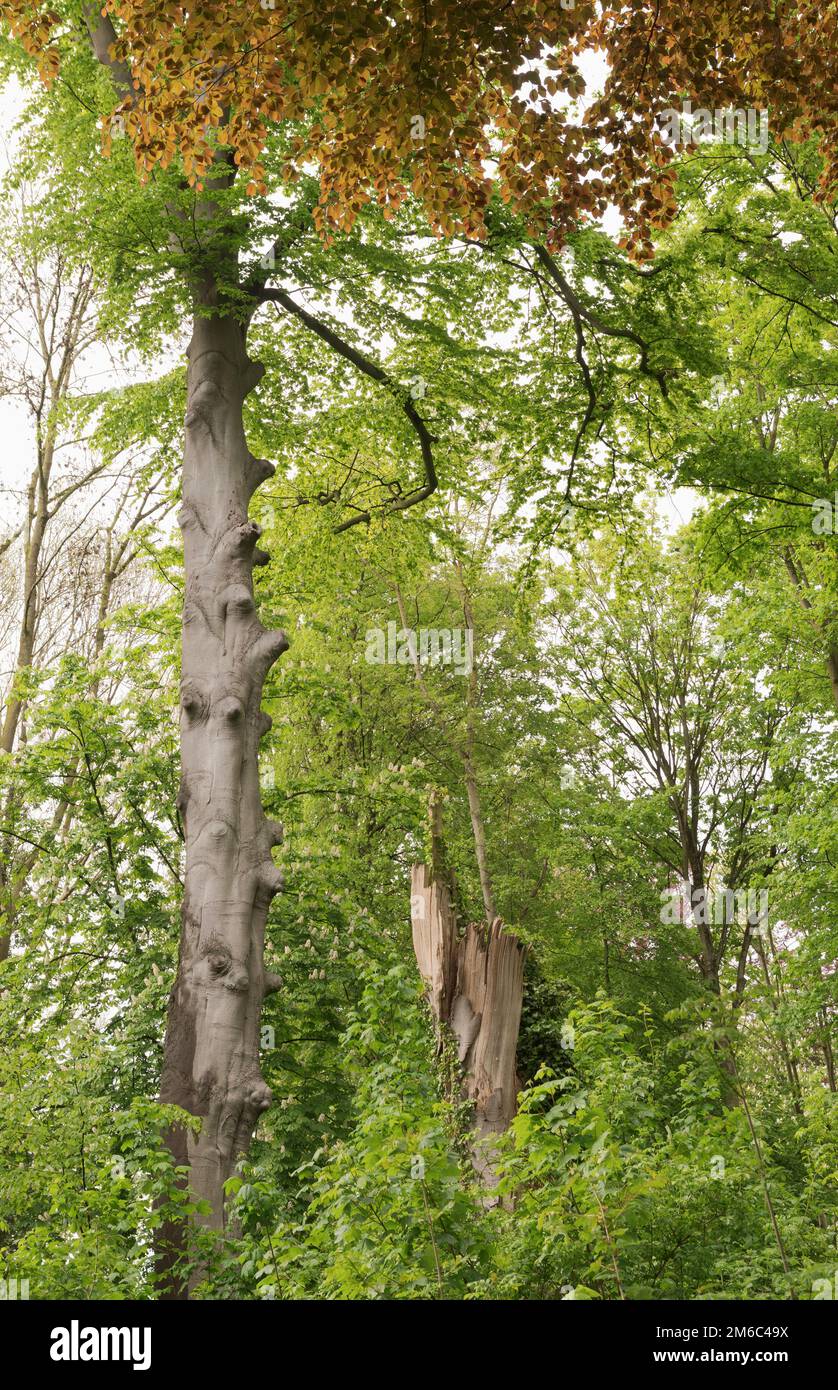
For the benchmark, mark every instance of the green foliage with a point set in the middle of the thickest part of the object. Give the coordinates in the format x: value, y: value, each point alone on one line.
x: 390, y: 1211
x: 665, y: 1115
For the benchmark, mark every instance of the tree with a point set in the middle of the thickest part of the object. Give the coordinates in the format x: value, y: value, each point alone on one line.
x: 383, y: 100
x: 756, y: 429
x: 52, y: 321
x: 646, y: 656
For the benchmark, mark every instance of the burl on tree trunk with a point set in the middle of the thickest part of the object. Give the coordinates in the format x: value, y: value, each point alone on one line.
x: 211, y: 1066
x: 475, y: 987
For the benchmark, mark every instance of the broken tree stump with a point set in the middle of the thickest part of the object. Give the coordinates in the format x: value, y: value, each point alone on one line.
x: 475, y: 986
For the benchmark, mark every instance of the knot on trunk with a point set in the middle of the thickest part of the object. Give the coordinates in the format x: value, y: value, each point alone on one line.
x: 260, y: 470
x: 270, y: 880
x: 205, y: 398
x: 236, y: 598
x: 267, y: 649
x: 224, y: 969
x: 230, y: 708
x: 241, y: 539
x: 252, y: 375
x: 194, y: 700
x: 260, y: 1097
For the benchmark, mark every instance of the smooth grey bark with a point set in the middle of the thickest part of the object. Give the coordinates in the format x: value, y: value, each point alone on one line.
x: 211, y: 1065
x: 828, y: 1053
x: 832, y: 672
x: 211, y: 1060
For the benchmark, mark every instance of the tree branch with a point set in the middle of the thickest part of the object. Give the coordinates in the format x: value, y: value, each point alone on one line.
x: 370, y: 369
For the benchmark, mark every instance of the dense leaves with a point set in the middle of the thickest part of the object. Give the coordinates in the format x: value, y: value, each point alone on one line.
x: 421, y: 99
x: 646, y: 704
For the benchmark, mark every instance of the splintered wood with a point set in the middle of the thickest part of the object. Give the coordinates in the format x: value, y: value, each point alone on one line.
x: 475, y: 986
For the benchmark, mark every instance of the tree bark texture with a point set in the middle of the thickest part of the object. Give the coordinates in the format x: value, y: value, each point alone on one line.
x: 211, y: 1065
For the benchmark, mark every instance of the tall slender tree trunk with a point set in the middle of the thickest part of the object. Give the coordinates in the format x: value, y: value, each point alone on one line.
x: 797, y: 575
x: 792, y: 1074
x: 477, y: 826
x: 828, y: 1053
x: 61, y: 341
x: 709, y: 964
x: 35, y: 526
x: 465, y: 749
x: 472, y: 790
x: 211, y: 1065
x: 36, y: 523
x: 832, y: 670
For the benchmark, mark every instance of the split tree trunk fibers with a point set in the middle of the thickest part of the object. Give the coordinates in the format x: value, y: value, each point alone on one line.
x: 211, y: 1066
x: 475, y: 987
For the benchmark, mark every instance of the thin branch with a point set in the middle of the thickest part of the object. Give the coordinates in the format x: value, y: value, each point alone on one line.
x: 370, y: 369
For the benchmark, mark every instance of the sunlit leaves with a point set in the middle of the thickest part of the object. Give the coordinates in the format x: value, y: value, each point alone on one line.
x: 405, y: 98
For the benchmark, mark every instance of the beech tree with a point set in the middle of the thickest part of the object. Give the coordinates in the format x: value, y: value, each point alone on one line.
x: 440, y: 105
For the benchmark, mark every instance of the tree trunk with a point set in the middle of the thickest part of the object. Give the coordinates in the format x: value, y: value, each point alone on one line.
x: 792, y: 1074
x: 35, y: 527
x: 709, y: 962
x: 211, y: 1065
x: 797, y: 575
x: 475, y: 811
x: 832, y: 670
x: 828, y: 1054
x: 475, y: 987
x: 478, y: 828
x: 61, y: 342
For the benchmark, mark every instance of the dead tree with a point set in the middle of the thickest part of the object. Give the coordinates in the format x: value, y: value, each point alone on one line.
x: 475, y: 983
